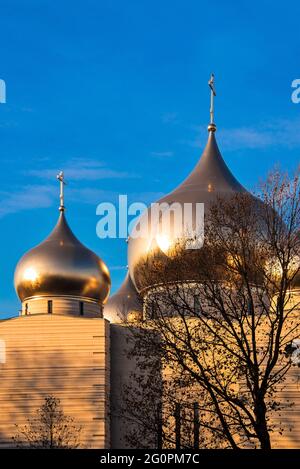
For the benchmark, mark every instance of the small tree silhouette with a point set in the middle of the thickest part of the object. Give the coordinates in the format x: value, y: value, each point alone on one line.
x: 49, y: 428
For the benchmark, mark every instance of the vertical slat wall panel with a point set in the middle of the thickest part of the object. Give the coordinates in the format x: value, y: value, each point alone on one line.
x: 62, y: 356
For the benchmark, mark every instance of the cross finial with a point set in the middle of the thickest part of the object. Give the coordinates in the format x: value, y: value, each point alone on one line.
x: 62, y: 183
x: 211, y: 83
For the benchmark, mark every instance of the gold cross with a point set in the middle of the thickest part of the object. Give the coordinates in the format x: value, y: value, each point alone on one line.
x: 213, y: 93
x: 62, y: 183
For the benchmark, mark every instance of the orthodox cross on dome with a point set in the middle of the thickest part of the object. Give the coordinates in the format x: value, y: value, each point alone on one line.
x: 62, y: 183
x: 211, y: 83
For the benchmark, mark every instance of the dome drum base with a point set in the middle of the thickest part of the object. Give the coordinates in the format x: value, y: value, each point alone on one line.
x: 178, y: 299
x: 62, y: 305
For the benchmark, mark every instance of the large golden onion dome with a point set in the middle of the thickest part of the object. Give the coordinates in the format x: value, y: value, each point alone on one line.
x: 62, y: 266
x: 210, y: 179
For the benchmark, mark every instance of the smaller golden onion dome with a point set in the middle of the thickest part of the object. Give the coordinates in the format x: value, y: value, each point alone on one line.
x: 62, y: 266
x: 120, y: 304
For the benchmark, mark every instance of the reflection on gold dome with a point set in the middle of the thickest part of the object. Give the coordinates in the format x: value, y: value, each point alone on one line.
x: 134, y: 316
x: 30, y: 274
x: 275, y: 271
x: 234, y: 262
x: 163, y: 242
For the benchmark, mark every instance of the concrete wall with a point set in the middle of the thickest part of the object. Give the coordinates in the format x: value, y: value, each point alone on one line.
x: 121, y: 368
x: 129, y: 404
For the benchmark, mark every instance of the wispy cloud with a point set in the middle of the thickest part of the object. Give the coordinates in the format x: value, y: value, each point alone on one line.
x: 280, y: 133
x: 162, y: 154
x: 235, y: 139
x: 276, y: 133
x: 32, y: 197
x: 82, y: 169
x: 169, y: 117
x: 26, y: 198
x: 27, y: 109
x: 94, y: 196
x: 8, y: 124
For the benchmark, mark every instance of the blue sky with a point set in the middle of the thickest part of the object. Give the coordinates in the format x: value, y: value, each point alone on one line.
x: 115, y: 93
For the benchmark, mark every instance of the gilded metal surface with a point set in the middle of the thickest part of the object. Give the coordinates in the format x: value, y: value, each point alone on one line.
x: 210, y: 179
x: 62, y: 265
x: 125, y: 299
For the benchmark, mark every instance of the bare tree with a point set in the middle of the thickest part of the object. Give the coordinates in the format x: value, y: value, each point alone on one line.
x: 49, y: 428
x: 224, y: 316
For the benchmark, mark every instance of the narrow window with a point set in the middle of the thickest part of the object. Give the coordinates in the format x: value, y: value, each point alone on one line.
x: 197, y: 306
x: 81, y: 308
x: 153, y: 312
x: 2, y: 351
x: 26, y: 308
x: 50, y: 306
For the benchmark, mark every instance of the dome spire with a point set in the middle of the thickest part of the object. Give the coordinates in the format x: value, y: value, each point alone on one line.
x: 211, y: 83
x: 62, y: 183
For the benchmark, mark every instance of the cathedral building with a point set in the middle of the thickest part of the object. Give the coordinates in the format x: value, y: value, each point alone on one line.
x: 70, y: 337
